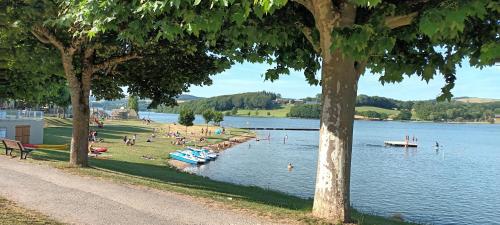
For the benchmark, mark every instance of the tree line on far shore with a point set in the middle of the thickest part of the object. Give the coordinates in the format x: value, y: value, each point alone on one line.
x: 250, y: 100
x: 453, y: 111
x: 431, y: 110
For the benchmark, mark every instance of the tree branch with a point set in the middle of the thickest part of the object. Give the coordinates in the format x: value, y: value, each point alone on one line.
x: 77, y: 44
x: 360, y: 67
x: 307, y: 31
x: 89, y: 52
x: 399, y: 21
x: 115, y: 61
x: 45, y: 36
x: 40, y: 38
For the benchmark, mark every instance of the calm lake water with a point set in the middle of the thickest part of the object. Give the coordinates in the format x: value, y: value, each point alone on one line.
x: 457, y: 184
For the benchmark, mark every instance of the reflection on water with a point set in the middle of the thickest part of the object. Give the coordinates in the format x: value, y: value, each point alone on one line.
x: 459, y: 183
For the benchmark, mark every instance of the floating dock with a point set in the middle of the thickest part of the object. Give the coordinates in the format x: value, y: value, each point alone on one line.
x: 401, y: 144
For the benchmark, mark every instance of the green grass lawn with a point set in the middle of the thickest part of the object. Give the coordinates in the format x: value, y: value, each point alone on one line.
x: 279, y: 112
x: 377, y: 109
x: 125, y: 164
x: 285, y: 109
x: 12, y: 214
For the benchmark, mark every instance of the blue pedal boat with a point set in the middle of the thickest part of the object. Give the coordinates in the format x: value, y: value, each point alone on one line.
x: 186, y: 156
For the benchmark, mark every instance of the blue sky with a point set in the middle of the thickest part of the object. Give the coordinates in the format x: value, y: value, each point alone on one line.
x: 247, y: 77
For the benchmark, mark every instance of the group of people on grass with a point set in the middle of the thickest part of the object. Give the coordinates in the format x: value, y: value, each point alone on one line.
x: 146, y: 121
x: 206, y: 131
x: 179, y: 139
x: 174, y: 134
x: 130, y: 141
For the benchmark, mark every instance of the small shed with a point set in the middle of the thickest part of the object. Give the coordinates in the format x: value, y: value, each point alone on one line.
x: 22, y: 125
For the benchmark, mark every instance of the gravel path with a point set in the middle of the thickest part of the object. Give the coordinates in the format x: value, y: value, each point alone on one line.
x: 83, y: 200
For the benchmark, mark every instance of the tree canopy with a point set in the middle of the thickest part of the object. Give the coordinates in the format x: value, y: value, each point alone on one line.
x: 186, y: 117
x: 218, y: 117
x: 208, y: 115
x: 133, y: 103
x: 431, y: 36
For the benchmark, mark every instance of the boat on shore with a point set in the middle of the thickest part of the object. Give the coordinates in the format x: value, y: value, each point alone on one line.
x: 186, y: 156
x: 203, y: 153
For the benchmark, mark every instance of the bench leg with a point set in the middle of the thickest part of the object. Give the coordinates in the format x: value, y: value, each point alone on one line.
x: 25, y: 154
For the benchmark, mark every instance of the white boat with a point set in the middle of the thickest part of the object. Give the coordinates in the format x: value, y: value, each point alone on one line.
x: 203, y: 153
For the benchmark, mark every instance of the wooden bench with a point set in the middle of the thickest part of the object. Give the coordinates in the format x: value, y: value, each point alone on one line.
x: 10, y: 145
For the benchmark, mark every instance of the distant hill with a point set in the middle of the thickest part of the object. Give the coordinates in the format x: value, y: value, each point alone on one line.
x: 475, y: 100
x: 250, y: 100
x: 185, y: 97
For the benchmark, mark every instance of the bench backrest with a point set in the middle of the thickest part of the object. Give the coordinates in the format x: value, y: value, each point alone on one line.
x: 12, y: 144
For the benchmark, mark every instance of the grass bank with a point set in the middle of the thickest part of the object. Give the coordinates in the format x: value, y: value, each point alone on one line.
x: 377, y: 109
x: 126, y: 164
x: 283, y: 110
x: 280, y: 112
x: 12, y: 214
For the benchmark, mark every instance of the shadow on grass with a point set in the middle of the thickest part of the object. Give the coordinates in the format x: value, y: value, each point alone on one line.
x: 57, y: 122
x: 62, y: 135
x: 170, y: 176
x: 50, y: 155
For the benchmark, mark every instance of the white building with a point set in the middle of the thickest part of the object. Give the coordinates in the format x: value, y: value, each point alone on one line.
x: 22, y: 125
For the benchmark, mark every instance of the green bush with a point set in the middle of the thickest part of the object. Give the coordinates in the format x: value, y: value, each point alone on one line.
x: 186, y: 117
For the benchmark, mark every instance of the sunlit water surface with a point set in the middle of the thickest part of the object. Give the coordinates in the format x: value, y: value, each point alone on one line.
x: 457, y: 184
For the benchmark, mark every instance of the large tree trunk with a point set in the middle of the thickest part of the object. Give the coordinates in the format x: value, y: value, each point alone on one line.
x: 80, y: 91
x: 339, y: 79
x: 79, y: 140
x: 339, y: 87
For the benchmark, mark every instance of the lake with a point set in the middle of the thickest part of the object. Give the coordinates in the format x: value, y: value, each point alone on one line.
x: 457, y: 184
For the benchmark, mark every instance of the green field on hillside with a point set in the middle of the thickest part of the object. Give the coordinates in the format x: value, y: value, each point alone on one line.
x: 285, y: 109
x: 377, y: 109
x: 279, y: 112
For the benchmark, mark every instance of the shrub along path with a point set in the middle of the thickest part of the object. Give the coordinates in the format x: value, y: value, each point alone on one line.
x: 83, y: 200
